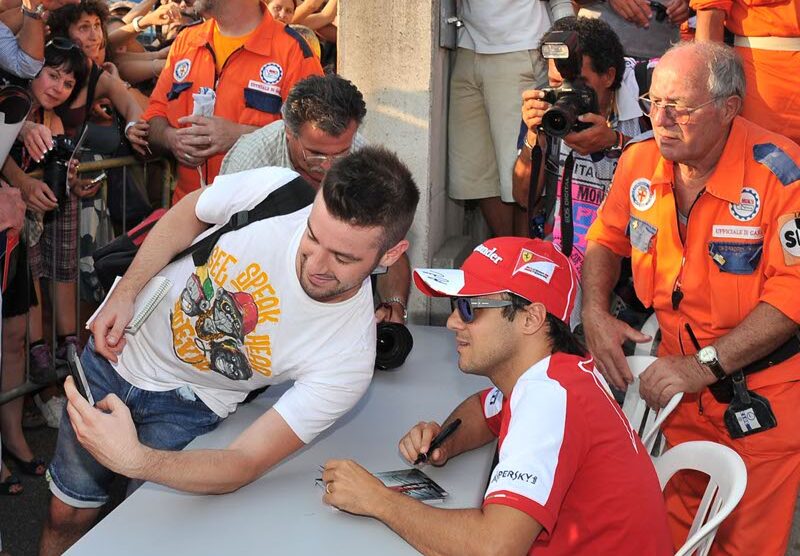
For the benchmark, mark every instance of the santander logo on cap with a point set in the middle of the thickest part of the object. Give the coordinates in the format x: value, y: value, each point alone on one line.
x: 531, y: 268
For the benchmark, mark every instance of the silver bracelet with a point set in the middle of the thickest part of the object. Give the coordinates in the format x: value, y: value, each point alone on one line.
x: 135, y: 24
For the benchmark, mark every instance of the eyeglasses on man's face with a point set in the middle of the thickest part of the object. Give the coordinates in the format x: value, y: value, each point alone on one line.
x: 321, y: 163
x: 466, y: 306
x: 677, y: 113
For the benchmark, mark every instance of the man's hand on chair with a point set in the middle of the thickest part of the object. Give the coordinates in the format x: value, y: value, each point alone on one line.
x: 667, y: 376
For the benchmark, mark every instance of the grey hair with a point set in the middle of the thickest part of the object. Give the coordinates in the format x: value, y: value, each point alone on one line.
x: 724, y: 67
x: 328, y: 102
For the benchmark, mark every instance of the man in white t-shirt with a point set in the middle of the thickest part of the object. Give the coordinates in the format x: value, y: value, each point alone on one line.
x: 572, y: 476
x: 285, y: 298
x: 497, y: 59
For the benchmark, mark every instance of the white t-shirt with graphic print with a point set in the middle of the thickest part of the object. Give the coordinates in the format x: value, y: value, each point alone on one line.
x: 243, y: 321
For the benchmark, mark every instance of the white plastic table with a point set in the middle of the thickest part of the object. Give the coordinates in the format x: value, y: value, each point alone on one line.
x: 283, y: 513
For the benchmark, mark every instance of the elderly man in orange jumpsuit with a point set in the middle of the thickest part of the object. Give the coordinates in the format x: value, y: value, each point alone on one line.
x: 708, y: 209
x: 767, y: 37
x: 249, y: 60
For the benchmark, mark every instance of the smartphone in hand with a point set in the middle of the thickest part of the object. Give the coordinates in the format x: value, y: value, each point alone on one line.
x: 76, y: 370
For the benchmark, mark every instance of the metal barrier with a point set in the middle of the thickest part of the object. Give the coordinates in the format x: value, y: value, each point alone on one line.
x: 126, y: 162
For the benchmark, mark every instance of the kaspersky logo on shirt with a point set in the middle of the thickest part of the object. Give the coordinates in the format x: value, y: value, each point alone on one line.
x: 515, y: 476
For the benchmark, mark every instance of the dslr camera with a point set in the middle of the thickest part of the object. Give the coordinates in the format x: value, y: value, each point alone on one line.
x: 56, y: 166
x: 394, y: 344
x: 574, y: 97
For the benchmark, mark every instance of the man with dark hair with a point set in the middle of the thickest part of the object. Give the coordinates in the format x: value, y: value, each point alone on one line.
x: 285, y: 298
x: 241, y: 64
x: 572, y: 477
x: 580, y: 164
x: 320, y: 124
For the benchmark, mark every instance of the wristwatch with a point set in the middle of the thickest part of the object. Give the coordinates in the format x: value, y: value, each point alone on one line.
x: 708, y: 358
x: 35, y: 13
x: 388, y: 302
x: 615, y: 150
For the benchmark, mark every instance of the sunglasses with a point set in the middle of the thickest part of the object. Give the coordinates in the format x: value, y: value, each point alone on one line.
x: 62, y: 43
x: 466, y: 306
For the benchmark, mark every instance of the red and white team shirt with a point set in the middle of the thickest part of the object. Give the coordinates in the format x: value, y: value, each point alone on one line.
x: 569, y: 459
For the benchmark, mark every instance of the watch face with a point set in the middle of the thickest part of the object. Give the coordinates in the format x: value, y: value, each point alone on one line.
x: 707, y: 354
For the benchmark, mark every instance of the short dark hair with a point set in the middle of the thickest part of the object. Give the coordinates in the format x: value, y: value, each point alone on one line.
x: 329, y: 102
x: 372, y: 187
x: 599, y: 42
x: 60, y: 20
x: 71, y: 60
x: 562, y: 340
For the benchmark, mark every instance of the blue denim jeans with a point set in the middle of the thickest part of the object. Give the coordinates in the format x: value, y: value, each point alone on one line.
x: 164, y: 421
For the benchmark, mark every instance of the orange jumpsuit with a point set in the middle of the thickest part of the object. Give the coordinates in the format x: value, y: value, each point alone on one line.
x: 250, y: 89
x: 772, y: 98
x: 740, y: 250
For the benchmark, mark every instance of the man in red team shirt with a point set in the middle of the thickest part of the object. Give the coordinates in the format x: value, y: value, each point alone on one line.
x: 572, y: 476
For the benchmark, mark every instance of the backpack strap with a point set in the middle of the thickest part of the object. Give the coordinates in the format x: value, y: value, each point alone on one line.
x: 289, y: 198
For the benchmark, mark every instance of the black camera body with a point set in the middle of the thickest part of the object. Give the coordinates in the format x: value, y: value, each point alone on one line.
x: 56, y: 166
x: 569, y: 101
x: 574, y: 97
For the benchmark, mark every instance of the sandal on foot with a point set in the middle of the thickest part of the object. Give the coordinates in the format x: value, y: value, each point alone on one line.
x: 7, y: 486
x: 36, y: 467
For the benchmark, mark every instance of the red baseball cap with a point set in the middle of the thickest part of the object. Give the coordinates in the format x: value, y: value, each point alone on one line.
x: 531, y: 268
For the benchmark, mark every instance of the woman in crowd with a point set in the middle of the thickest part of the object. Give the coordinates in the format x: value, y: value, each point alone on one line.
x: 51, y: 227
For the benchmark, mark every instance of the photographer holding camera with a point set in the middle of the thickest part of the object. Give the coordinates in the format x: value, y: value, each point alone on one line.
x: 577, y: 128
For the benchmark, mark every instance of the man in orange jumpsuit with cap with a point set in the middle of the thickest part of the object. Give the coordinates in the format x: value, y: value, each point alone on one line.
x: 241, y: 64
x: 767, y: 37
x: 708, y: 209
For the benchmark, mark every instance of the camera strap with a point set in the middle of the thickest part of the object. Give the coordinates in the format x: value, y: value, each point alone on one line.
x: 567, y: 228
x: 536, y: 221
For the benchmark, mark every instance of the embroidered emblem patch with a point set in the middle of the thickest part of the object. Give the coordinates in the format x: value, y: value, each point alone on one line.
x: 642, y: 196
x: 534, y: 265
x: 789, y: 225
x: 748, y: 206
x: 271, y: 73
x: 182, y: 69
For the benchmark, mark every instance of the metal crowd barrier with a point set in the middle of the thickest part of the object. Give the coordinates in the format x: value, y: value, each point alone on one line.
x: 125, y: 162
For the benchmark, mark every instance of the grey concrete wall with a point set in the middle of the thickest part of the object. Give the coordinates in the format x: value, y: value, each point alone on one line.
x: 390, y: 51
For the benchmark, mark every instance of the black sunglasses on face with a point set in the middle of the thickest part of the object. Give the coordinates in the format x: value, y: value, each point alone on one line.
x: 466, y: 306
x: 61, y: 43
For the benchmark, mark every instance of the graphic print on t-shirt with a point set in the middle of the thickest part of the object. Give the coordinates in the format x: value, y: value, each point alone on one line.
x: 214, y: 320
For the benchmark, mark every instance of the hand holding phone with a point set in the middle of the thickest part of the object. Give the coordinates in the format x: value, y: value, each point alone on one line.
x: 76, y: 370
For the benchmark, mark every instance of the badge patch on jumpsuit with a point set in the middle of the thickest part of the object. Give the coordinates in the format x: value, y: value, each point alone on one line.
x: 182, y: 69
x: 789, y: 226
x: 748, y: 206
x: 642, y: 196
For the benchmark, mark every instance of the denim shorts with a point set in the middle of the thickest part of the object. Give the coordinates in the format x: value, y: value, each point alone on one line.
x: 164, y: 421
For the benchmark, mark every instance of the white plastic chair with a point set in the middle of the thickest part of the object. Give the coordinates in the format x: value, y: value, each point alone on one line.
x: 645, y: 421
x: 650, y: 327
x: 727, y: 481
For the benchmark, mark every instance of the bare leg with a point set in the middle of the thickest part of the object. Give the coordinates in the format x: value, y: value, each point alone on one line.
x: 498, y: 215
x: 65, y: 525
x: 520, y: 221
x: 65, y: 308
x: 13, y: 375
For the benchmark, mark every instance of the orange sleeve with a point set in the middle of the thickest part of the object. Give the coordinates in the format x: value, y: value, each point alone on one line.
x: 724, y: 5
x: 610, y: 228
x: 158, y: 98
x: 298, y: 71
x: 782, y: 249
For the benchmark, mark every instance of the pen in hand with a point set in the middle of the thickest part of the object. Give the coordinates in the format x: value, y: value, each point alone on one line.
x: 443, y: 435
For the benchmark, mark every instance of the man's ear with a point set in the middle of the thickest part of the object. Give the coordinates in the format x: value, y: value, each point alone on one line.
x: 534, y: 317
x: 394, y: 253
x: 732, y: 107
x: 609, y: 76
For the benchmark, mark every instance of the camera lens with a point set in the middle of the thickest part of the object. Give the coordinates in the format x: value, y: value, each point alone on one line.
x: 560, y: 118
x: 394, y: 345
